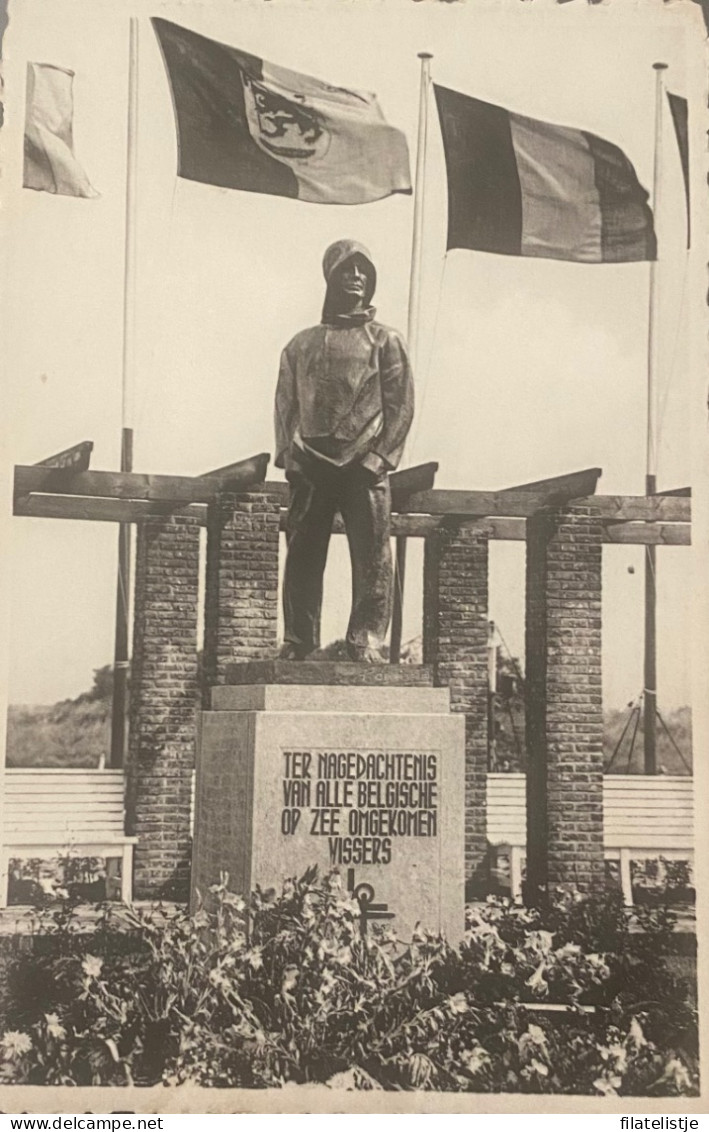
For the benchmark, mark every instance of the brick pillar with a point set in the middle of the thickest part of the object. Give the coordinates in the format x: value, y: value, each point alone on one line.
x: 163, y: 703
x: 564, y: 710
x: 241, y: 606
x: 455, y: 629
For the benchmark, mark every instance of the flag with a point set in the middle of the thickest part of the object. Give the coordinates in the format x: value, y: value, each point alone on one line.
x: 50, y: 164
x: 243, y: 123
x: 518, y: 186
x: 680, y: 119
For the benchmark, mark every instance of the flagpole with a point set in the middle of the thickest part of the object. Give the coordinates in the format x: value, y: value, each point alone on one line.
x: 413, y: 325
x: 419, y: 186
x: 120, y: 655
x: 650, y: 664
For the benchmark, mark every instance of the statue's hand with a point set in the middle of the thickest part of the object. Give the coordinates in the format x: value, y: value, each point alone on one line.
x: 372, y: 469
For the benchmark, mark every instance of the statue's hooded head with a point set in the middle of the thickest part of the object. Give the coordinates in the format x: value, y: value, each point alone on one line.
x: 351, y: 279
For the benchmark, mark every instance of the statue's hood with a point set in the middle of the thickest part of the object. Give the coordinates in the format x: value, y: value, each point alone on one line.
x: 334, y: 257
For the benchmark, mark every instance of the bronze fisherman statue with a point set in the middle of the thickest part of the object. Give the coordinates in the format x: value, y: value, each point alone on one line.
x: 344, y: 405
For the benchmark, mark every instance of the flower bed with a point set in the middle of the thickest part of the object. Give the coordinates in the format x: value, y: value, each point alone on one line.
x: 305, y: 998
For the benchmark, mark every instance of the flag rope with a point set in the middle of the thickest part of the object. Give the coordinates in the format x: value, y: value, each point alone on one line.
x: 674, y: 353
x: 426, y: 370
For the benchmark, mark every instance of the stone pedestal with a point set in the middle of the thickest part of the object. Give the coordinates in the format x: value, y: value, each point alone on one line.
x: 362, y: 771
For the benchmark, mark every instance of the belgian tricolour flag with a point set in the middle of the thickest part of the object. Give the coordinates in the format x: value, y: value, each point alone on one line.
x: 243, y: 123
x: 518, y: 186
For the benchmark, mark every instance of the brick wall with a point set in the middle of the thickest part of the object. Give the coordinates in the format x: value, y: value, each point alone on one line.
x: 564, y: 711
x: 163, y: 705
x: 455, y: 630
x: 241, y: 604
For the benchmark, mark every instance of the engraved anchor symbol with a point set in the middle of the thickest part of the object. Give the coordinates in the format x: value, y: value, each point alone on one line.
x: 368, y: 910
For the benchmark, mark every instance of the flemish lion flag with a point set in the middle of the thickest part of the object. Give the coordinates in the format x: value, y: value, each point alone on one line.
x: 243, y: 123
x: 518, y: 186
x: 50, y: 164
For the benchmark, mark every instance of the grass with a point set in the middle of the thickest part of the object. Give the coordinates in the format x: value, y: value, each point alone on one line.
x: 68, y: 734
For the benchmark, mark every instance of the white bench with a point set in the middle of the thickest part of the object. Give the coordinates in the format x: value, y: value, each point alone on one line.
x: 643, y: 818
x: 50, y: 813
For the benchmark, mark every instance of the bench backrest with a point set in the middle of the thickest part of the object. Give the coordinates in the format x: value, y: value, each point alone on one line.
x: 638, y: 811
x: 46, y: 804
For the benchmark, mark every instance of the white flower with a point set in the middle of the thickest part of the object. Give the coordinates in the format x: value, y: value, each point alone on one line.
x: 236, y: 902
x: 458, y: 1003
x: 536, y: 1034
x: 92, y: 966
x: 475, y: 1059
x: 537, y: 982
x: 635, y: 1034
x: 328, y: 984
x: 678, y: 1074
x: 218, y: 979
x: 620, y: 1057
x: 608, y: 1086
x: 254, y: 958
x: 15, y: 1043
x: 290, y: 978
x: 54, y: 1026
x: 567, y: 950
x: 542, y: 940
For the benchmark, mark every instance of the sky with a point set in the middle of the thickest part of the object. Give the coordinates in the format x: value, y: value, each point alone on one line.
x: 525, y: 369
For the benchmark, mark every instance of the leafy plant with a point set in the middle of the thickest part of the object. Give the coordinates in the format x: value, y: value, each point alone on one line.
x: 284, y: 988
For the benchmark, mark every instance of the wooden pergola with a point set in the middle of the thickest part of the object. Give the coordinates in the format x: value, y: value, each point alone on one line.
x: 454, y: 523
x: 68, y: 492
x: 63, y: 487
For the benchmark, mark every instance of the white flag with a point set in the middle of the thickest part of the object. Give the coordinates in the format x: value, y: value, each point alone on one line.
x: 50, y: 165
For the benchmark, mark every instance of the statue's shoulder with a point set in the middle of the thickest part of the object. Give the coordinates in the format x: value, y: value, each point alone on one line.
x: 304, y: 338
x: 387, y: 334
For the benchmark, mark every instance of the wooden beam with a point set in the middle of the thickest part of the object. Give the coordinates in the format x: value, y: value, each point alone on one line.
x: 480, y: 504
x: 409, y: 480
x: 648, y: 534
x: 412, y: 525
x: 682, y: 492
x: 650, y: 508
x: 477, y: 504
x: 243, y: 473
x: 469, y: 504
x: 102, y: 510
x: 563, y: 488
x: 127, y: 485
x: 419, y: 526
x: 515, y: 530
x: 78, y: 457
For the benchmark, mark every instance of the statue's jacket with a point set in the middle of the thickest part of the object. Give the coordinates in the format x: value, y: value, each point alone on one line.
x: 344, y: 391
